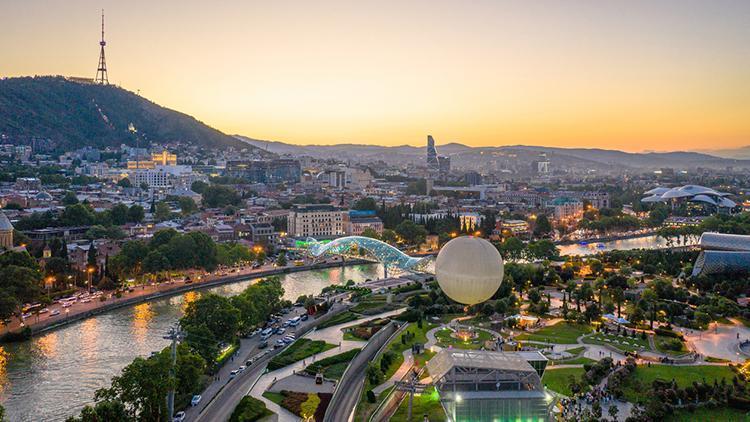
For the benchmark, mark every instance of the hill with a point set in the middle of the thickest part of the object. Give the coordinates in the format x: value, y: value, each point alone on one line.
x: 472, y: 157
x: 72, y: 115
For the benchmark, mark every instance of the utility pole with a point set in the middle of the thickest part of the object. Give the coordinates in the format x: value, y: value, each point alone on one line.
x: 174, y: 335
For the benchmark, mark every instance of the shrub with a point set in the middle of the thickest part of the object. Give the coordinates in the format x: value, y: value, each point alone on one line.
x: 671, y: 344
x: 249, y: 409
x: 370, y: 396
x: 667, y: 333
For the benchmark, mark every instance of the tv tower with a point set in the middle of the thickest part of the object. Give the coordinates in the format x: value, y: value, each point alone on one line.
x: 101, y: 71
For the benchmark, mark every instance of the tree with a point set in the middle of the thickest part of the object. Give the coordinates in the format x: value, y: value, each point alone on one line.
x: 370, y: 232
x: 411, y: 232
x: 119, y: 214
x: 388, y: 236
x: 77, y: 215
x: 542, y: 226
x: 162, y: 211
x: 18, y: 285
x: 281, y: 259
x: 613, y: 410
x: 106, y: 410
x: 199, y: 186
x: 542, y: 249
x: 124, y: 183
x: 155, y: 262
x: 142, y: 387
x: 69, y: 198
x: 216, y: 313
x: 365, y: 204
x: 92, y: 255
x: 217, y: 196
x: 512, y: 249
x: 136, y: 214
x: 187, y: 205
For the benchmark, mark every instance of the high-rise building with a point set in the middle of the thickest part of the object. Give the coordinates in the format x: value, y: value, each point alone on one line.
x: 432, y: 157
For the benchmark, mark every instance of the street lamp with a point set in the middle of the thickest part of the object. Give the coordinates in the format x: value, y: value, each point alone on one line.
x: 48, y: 283
x: 90, y: 271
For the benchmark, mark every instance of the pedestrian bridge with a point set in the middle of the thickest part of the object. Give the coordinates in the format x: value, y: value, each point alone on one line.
x: 361, y: 246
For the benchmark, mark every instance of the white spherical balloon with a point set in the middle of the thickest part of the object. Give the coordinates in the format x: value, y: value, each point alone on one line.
x: 469, y: 269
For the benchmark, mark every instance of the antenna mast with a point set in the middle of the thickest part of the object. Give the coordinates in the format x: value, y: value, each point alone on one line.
x: 101, y: 71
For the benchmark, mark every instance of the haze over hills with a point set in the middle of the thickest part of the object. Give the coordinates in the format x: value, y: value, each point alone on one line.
x: 72, y: 115
x: 463, y: 155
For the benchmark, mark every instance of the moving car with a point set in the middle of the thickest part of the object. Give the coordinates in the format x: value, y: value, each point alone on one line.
x: 179, y: 417
x: 195, y: 400
x: 233, y: 374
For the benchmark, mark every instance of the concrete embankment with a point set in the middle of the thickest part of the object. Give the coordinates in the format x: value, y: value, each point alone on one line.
x: 112, y: 304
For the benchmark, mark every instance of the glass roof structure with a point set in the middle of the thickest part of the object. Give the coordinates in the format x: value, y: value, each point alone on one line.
x: 388, y: 255
x: 722, y: 254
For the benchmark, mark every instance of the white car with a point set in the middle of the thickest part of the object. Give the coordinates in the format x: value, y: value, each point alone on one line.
x: 179, y: 417
x: 196, y: 399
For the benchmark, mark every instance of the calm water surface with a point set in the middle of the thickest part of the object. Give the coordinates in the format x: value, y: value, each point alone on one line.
x: 645, y: 242
x: 51, y: 377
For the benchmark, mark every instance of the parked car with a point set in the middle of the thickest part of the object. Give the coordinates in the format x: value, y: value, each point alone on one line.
x: 242, y: 368
x: 280, y: 330
x: 179, y: 417
x: 280, y: 342
x: 263, y: 344
x: 195, y: 400
x: 286, y: 323
x: 233, y: 374
x: 304, y: 317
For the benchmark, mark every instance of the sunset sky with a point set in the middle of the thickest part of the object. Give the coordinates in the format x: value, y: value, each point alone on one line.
x: 630, y: 75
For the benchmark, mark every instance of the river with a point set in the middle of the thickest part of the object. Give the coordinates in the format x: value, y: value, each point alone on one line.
x: 51, y: 377
x: 643, y: 242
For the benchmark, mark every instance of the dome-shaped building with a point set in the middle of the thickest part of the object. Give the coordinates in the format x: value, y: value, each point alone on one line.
x: 6, y: 232
x: 469, y: 269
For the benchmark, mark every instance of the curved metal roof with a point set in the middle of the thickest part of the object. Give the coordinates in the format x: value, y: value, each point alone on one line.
x: 688, y: 190
x: 4, y: 222
x: 703, y: 198
x: 721, y: 262
x: 656, y: 191
x: 724, y: 242
x: 653, y: 198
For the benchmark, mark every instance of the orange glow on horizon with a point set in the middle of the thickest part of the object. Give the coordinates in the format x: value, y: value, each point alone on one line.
x: 621, y: 75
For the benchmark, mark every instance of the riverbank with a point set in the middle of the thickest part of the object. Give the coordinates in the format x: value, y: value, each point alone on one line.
x: 609, y: 238
x: 146, y: 293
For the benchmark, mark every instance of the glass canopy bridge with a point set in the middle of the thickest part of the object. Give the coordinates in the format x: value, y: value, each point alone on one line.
x: 366, y: 247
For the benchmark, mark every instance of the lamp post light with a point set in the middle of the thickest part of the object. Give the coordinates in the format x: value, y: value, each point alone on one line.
x: 90, y: 272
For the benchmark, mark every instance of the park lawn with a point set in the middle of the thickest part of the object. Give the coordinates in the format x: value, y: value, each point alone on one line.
x: 703, y: 414
x: 427, y: 403
x: 420, y: 336
x: 249, y: 409
x: 558, y: 379
x: 658, y: 339
x: 300, y: 349
x: 333, y: 366
x: 274, y: 397
x: 339, y: 319
x: 628, y: 344
x: 368, y: 306
x: 638, y: 385
x: 444, y: 339
x: 576, y: 350
x: 560, y: 333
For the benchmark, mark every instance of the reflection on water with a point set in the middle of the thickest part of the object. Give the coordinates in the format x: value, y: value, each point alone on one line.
x: 53, y: 376
x: 142, y: 315
x: 645, y: 242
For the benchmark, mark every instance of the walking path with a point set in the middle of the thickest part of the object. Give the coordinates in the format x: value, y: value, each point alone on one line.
x: 409, y: 361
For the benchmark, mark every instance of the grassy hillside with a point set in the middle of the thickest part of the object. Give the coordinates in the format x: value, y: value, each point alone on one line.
x: 73, y: 115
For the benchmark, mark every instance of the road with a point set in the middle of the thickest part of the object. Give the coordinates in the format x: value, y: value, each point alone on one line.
x: 80, y: 309
x: 220, y: 398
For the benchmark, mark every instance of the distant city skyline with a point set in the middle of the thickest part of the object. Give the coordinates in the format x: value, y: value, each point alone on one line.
x: 627, y: 75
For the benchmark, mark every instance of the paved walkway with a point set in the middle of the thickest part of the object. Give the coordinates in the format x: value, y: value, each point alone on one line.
x: 720, y: 340
x: 409, y: 361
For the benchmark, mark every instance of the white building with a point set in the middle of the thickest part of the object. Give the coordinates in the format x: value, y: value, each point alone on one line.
x: 318, y: 221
